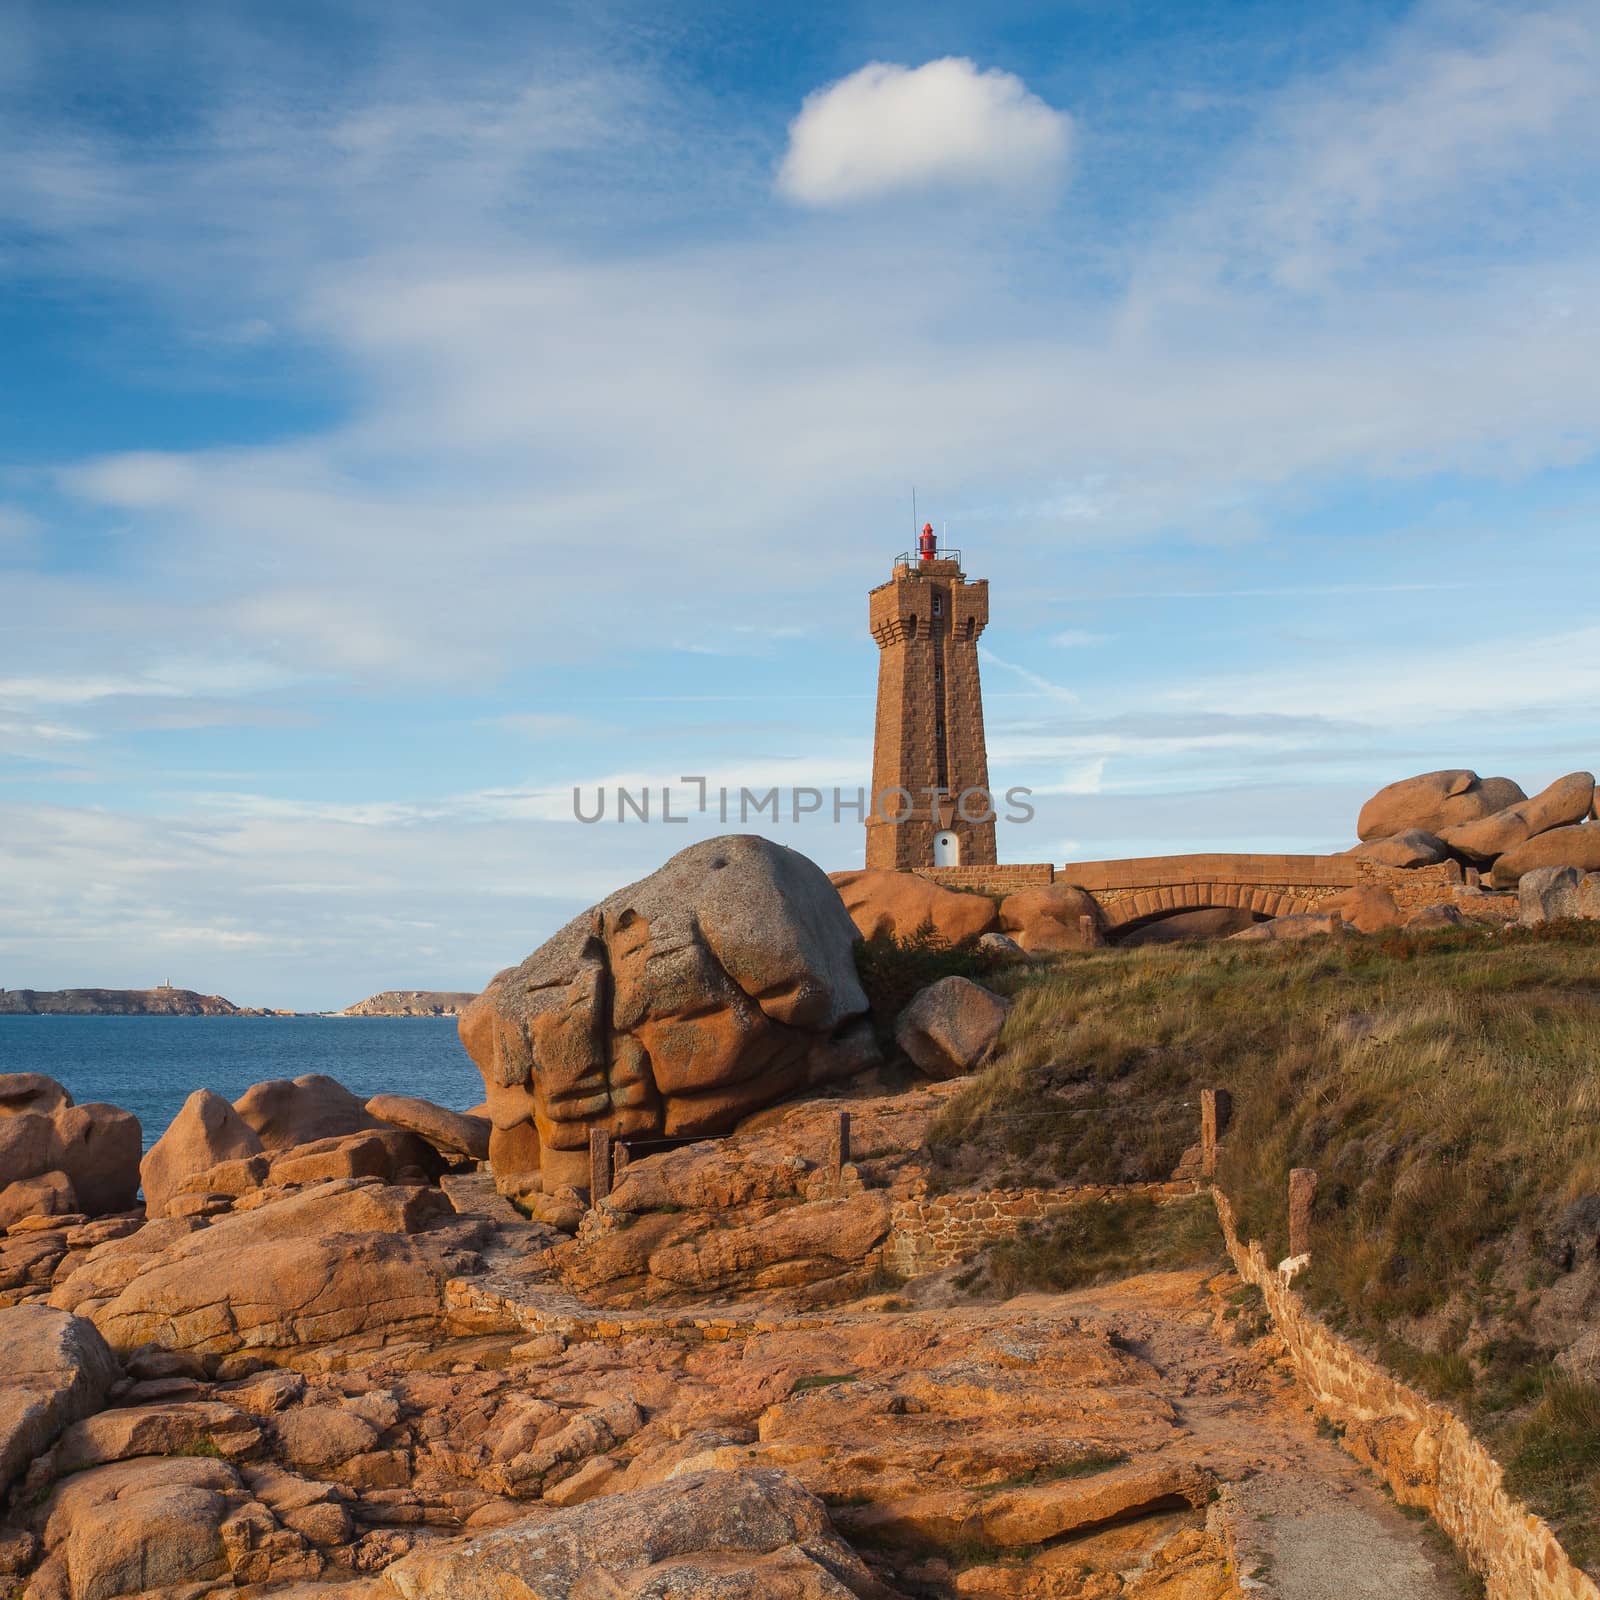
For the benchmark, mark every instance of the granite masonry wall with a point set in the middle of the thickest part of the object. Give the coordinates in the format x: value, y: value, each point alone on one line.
x: 928, y: 1232
x: 1422, y: 1450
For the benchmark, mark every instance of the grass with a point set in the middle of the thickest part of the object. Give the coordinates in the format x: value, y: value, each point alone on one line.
x: 1554, y: 1462
x: 1442, y: 1086
x: 1100, y: 1240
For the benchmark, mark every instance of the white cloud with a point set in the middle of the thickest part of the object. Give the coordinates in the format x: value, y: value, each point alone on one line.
x: 889, y: 128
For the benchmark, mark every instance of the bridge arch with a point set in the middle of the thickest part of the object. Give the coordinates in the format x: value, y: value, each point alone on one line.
x: 1145, y: 906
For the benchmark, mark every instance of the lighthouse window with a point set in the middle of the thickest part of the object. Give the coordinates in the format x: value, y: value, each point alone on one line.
x: 969, y: 627
x: 938, y: 604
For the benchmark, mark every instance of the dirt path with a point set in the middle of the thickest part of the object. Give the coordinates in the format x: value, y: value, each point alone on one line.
x: 1308, y: 1521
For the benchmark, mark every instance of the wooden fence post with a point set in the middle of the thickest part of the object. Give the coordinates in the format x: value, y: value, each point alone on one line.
x: 839, y: 1145
x: 599, y: 1165
x: 1216, y: 1112
x: 1302, y: 1192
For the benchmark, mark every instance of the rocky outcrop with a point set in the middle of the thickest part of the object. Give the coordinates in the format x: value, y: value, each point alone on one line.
x: 1053, y: 918
x: 1549, y: 894
x: 1576, y: 846
x: 739, y: 1534
x: 900, y: 903
x: 57, y: 1370
x: 1414, y: 848
x: 456, y: 1135
x: 951, y: 1027
x: 1371, y: 910
x: 719, y: 984
x: 94, y: 1148
x: 162, y: 1002
x: 1433, y: 802
x: 348, y: 1259
x: 1567, y: 800
x: 285, y: 1112
x: 206, y: 1131
x: 412, y: 1003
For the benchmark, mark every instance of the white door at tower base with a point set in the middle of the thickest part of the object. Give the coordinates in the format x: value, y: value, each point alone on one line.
x: 946, y: 849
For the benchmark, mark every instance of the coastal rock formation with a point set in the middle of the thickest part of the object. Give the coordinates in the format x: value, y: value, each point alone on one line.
x: 1414, y: 848
x: 899, y: 903
x: 1567, y: 800
x: 206, y: 1131
x: 739, y: 1534
x: 1052, y: 918
x: 57, y: 1369
x: 951, y: 1027
x: 1548, y: 894
x: 454, y: 1134
x: 1575, y: 846
x: 162, y: 1002
x: 721, y: 983
x: 1371, y: 910
x: 342, y: 1260
x: 286, y: 1112
x: 94, y: 1148
x: 412, y: 1003
x: 1434, y: 801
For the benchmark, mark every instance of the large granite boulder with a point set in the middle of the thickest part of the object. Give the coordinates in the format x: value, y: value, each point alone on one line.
x: 348, y: 1259
x: 721, y: 983
x: 1368, y: 909
x: 1567, y: 800
x: 900, y: 903
x: 1416, y: 847
x: 1434, y: 801
x: 1051, y: 917
x: 285, y: 1112
x: 454, y: 1134
x: 951, y: 1027
x: 1550, y: 894
x: 740, y: 1535
x: 137, y: 1526
x: 94, y: 1147
x: 57, y: 1370
x: 1576, y: 846
x: 206, y: 1130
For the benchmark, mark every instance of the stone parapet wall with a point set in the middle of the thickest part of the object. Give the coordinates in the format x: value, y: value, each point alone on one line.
x: 927, y: 1233
x: 1422, y: 1450
x: 992, y: 880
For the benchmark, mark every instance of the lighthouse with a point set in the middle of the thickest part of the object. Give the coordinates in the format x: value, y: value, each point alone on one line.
x: 930, y: 766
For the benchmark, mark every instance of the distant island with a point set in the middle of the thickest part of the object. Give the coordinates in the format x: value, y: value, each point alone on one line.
x: 411, y: 1003
x: 164, y: 1001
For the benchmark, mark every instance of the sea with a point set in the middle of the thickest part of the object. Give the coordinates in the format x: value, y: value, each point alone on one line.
x: 151, y: 1065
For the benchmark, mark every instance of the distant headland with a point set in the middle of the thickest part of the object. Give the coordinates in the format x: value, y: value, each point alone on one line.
x: 163, y: 1001
x: 412, y: 1003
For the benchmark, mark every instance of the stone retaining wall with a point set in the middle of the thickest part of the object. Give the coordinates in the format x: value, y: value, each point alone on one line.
x: 927, y: 1233
x: 1422, y: 1450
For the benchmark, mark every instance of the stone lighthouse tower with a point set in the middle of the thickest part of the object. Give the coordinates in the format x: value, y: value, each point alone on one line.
x: 930, y: 767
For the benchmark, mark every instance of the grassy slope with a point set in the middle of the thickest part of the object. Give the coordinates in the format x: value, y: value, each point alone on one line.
x: 1446, y: 1088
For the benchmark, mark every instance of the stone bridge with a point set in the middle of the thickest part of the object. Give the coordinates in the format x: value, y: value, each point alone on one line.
x: 1140, y: 890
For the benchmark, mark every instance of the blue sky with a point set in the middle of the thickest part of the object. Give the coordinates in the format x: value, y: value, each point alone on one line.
x: 409, y: 417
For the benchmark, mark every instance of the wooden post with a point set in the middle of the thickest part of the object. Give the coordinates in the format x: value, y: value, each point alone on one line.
x: 1088, y: 932
x: 839, y: 1145
x: 599, y: 1165
x: 1302, y: 1192
x: 1216, y: 1112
